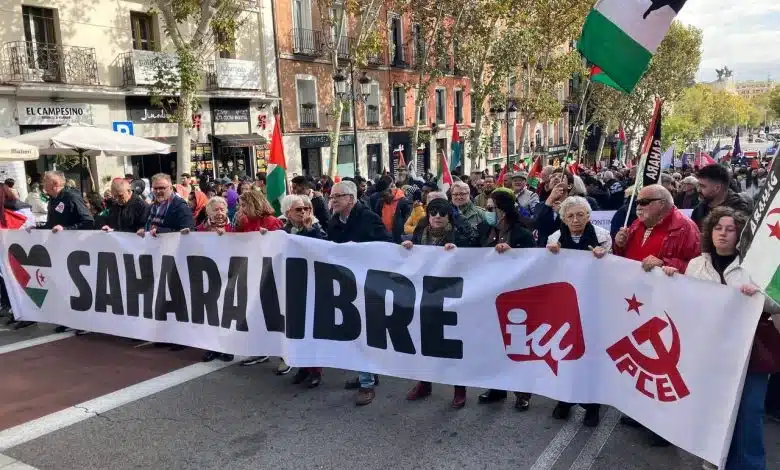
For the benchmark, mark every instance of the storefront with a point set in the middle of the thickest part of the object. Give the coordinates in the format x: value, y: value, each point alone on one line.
x: 237, y: 152
x: 314, y: 159
x: 556, y: 152
x: 400, y: 145
x: 152, y: 121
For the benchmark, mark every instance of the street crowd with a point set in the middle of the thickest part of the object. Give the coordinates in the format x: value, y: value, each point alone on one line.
x: 476, y: 211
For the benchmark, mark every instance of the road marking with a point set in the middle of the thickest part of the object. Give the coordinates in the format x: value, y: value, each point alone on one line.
x: 596, y: 441
x: 560, y: 442
x: 9, y: 463
x: 36, y: 428
x: 28, y: 343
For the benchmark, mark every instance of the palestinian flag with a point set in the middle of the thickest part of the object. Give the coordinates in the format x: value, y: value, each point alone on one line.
x: 760, y: 241
x: 455, y: 145
x: 501, y: 176
x: 444, y: 178
x: 535, y: 173
x: 598, y: 76
x: 621, y: 144
x: 276, y: 183
x: 621, y: 37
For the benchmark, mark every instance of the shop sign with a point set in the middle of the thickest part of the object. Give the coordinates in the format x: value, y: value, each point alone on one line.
x: 230, y: 114
x: 147, y: 64
x: 315, y: 141
x: 556, y: 150
x: 238, y: 74
x: 143, y: 112
x: 52, y: 114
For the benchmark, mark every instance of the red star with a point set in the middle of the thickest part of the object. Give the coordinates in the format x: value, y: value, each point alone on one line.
x: 775, y: 230
x: 633, y: 304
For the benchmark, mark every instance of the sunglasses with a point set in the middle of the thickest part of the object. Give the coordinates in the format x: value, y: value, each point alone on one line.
x: 440, y: 213
x: 646, y: 202
x: 302, y: 209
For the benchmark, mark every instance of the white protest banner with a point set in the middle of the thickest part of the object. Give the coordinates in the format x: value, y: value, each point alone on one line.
x: 670, y: 352
x: 604, y: 218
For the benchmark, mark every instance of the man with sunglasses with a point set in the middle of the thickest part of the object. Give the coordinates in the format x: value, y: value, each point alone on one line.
x: 660, y: 236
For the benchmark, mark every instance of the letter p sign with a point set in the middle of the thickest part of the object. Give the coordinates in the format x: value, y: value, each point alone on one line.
x: 123, y: 127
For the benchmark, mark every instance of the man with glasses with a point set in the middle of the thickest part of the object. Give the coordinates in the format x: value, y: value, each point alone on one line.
x: 461, y: 199
x: 526, y: 199
x: 168, y: 213
x: 352, y: 221
x: 128, y: 212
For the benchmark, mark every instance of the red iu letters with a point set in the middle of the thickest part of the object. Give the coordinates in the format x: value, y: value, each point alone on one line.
x: 656, y: 377
x: 541, y: 323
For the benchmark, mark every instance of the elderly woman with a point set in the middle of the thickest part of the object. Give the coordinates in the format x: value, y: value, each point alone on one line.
x: 578, y: 233
x: 439, y: 229
x: 719, y: 262
x: 300, y: 220
x: 503, y: 230
x: 197, y: 201
x: 687, y: 194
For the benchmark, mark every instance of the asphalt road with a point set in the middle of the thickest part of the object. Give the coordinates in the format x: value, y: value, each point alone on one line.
x: 95, y: 402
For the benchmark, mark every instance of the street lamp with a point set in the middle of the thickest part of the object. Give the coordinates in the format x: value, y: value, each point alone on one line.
x: 365, y: 86
x: 340, y: 84
x: 507, y: 115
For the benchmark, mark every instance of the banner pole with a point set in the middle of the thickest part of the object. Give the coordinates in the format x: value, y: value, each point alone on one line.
x: 577, y: 120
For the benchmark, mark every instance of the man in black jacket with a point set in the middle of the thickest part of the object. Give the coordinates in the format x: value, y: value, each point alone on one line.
x: 128, y: 211
x: 66, y: 209
x: 169, y: 212
x: 714, y: 191
x: 352, y: 221
x: 303, y: 186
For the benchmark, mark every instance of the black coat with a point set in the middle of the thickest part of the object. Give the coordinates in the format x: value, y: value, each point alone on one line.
x: 129, y: 217
x: 362, y: 225
x: 320, y: 209
x: 69, y: 210
x: 315, y: 232
x: 519, y: 236
x: 177, y: 217
x: 463, y: 234
x: 547, y: 222
x: 733, y: 200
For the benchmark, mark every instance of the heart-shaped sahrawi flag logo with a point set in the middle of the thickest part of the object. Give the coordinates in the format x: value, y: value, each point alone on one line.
x: 31, y: 270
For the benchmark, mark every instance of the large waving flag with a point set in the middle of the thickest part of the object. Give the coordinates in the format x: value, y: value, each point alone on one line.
x: 598, y: 76
x: 444, y: 179
x: 276, y: 183
x: 620, y: 37
x: 667, y: 159
x: 455, y: 156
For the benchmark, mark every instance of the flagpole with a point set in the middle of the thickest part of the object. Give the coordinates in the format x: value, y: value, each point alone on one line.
x: 645, y: 150
x: 576, y: 121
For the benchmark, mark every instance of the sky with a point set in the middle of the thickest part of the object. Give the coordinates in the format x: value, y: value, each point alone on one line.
x: 741, y: 34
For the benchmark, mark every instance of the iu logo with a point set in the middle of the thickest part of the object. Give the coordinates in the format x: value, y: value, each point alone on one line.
x: 656, y: 377
x: 541, y: 323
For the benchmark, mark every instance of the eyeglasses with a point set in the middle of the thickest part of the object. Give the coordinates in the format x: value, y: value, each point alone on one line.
x: 647, y: 202
x: 459, y: 194
x: 160, y: 188
x: 302, y: 209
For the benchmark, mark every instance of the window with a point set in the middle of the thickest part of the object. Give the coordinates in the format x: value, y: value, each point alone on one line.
x: 39, y: 25
x: 550, y: 131
x: 225, y: 43
x: 472, y: 108
x: 538, y: 139
x: 142, y: 30
x: 372, y: 106
x: 441, y: 105
x: 511, y: 138
x: 560, y: 132
x: 41, y: 49
x: 396, y: 42
x: 510, y: 88
x: 306, y: 90
x: 397, y: 101
x: 304, y: 40
x: 459, y: 106
x: 418, y: 45
x: 423, y: 112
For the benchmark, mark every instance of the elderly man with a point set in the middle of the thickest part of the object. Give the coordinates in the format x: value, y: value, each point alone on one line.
x: 168, y: 213
x: 488, y: 185
x: 714, y: 191
x: 352, y: 221
x: 526, y: 199
x: 66, y: 209
x: 461, y: 199
x: 128, y: 212
x: 660, y: 236
x: 688, y: 194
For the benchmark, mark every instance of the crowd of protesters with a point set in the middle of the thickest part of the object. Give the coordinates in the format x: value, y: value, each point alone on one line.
x: 550, y: 210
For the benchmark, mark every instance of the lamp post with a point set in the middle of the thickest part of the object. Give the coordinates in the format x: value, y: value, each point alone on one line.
x: 505, y: 115
x: 340, y: 85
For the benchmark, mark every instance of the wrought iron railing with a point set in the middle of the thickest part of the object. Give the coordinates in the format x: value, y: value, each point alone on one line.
x: 307, y: 42
x: 375, y: 59
x: 372, y: 116
x: 401, y: 55
x: 397, y: 113
x: 344, y: 47
x: 346, y: 114
x: 307, y: 117
x: 52, y: 63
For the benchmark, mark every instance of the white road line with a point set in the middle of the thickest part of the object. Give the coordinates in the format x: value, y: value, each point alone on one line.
x: 596, y: 441
x: 560, y: 442
x: 8, y: 463
x: 34, y: 342
x: 36, y: 428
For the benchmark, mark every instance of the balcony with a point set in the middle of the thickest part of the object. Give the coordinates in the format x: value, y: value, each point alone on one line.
x: 307, y: 116
x: 372, y: 115
x: 307, y: 42
x: 375, y: 59
x: 344, y: 47
x: 31, y: 62
x: 145, y: 68
x: 397, y: 115
x: 345, y: 117
x: 401, y: 55
x: 233, y: 74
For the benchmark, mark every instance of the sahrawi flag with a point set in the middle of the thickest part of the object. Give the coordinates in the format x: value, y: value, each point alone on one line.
x: 760, y: 242
x: 620, y: 37
x: 456, y: 148
x: 276, y: 182
x: 444, y: 178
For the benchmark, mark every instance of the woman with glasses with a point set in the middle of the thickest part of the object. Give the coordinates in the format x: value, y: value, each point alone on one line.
x: 578, y: 233
x: 503, y: 230
x: 299, y: 212
x: 440, y: 229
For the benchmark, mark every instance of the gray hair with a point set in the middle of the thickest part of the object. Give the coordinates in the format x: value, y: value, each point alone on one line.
x: 290, y: 199
x: 461, y: 185
x: 119, y: 185
x: 435, y: 195
x: 578, y: 187
x: 346, y: 187
x: 666, y: 178
x: 52, y: 174
x: 162, y: 176
x: 661, y: 193
x: 214, y: 201
x: 690, y: 180
x: 608, y: 175
x: 571, y: 202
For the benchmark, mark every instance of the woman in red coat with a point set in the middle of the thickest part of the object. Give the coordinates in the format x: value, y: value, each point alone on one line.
x: 255, y: 214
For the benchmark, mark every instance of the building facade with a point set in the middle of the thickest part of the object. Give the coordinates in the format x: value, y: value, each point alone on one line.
x: 749, y: 89
x: 63, y: 61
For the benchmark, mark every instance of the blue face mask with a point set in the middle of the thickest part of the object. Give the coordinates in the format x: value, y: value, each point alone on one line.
x: 491, y: 219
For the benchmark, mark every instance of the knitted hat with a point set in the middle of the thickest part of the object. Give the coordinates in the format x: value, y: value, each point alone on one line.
x: 438, y: 206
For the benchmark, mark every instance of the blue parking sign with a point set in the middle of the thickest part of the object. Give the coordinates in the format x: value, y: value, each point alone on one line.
x: 123, y: 127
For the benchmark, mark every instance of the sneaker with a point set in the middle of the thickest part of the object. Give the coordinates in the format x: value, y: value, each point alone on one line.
x: 365, y: 396
x: 354, y: 383
x: 592, y: 417
x: 419, y: 391
x: 300, y: 376
x: 522, y: 404
x: 561, y: 411
x: 283, y: 368
x: 492, y: 396
x: 61, y: 329
x: 226, y: 357
x: 314, y: 379
x: 254, y: 360
x: 209, y: 356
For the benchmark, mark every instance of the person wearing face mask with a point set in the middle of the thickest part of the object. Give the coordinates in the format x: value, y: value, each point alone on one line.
x: 488, y: 185
x: 503, y: 230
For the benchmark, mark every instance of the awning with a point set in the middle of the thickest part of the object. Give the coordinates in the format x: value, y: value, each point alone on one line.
x: 239, y: 140
x: 166, y: 140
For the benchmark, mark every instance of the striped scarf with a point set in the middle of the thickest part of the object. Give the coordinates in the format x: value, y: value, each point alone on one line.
x: 157, y: 213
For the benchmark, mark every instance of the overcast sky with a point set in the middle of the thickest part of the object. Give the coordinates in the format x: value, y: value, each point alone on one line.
x: 742, y: 34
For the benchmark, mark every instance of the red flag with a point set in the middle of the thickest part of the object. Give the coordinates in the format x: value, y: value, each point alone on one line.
x: 500, y: 180
x: 536, y: 169
x: 515, y: 168
x: 574, y: 168
x: 401, y: 161
x: 276, y: 152
x: 445, y: 177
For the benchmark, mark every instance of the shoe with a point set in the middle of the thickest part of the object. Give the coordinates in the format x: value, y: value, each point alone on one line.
x: 658, y: 441
x: 300, y: 376
x: 314, y: 380
x: 459, y: 398
x: 226, y: 357
x: 365, y: 396
x: 419, y: 391
x: 522, y: 404
x: 80, y: 332
x: 61, y: 329
x: 354, y: 383
x: 561, y: 411
x: 630, y: 422
x: 492, y: 396
x: 21, y: 324
x: 592, y: 418
x: 209, y: 356
x: 254, y: 360
x: 283, y: 368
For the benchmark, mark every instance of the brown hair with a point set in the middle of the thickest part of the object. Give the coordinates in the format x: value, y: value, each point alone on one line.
x: 740, y: 220
x: 256, y: 204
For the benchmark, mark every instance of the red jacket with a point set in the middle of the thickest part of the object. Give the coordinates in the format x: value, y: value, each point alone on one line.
x: 254, y: 224
x: 681, y: 244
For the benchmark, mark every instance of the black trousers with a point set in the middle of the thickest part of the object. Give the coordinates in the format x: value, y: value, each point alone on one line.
x: 773, y: 394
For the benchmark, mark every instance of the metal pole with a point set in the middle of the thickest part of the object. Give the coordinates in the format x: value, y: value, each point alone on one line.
x: 507, y: 141
x: 354, y: 116
x: 576, y: 121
